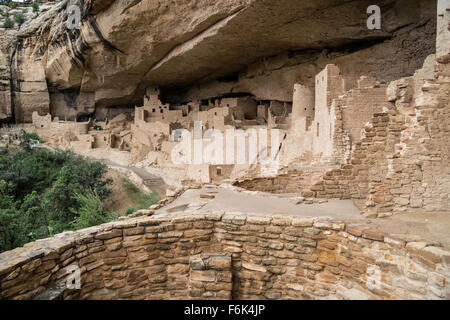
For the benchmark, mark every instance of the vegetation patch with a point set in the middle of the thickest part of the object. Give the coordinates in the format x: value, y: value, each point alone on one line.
x: 19, y: 18
x: 44, y: 192
x: 142, y: 199
x: 8, y: 24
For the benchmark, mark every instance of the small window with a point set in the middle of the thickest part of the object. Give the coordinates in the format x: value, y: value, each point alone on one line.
x: 153, y: 110
x: 161, y: 110
x: 215, y: 113
x: 318, y: 126
x: 219, y: 171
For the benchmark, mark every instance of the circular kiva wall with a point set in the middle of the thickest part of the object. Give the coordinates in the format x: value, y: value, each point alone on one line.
x: 226, y: 256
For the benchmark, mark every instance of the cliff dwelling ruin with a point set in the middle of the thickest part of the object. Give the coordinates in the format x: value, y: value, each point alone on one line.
x: 300, y: 154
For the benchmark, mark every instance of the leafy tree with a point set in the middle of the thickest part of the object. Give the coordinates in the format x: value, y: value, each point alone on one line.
x: 44, y: 192
x: 11, y: 232
x: 30, y: 171
x: 8, y: 24
x: 90, y: 212
x: 34, y: 217
x: 76, y: 176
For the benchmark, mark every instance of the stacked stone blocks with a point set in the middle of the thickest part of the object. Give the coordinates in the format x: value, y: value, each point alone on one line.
x: 231, y: 255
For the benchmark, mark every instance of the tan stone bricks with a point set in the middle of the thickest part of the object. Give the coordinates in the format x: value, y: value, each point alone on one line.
x: 250, y: 256
x: 373, y: 234
x: 258, y: 220
x: 109, y: 234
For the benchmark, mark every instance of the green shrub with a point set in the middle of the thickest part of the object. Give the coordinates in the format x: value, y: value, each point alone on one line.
x: 28, y: 139
x: 129, y: 211
x: 32, y: 136
x: 44, y: 192
x: 91, y: 211
x: 12, y: 5
x: 19, y: 18
x: 11, y: 232
x: 142, y: 199
x: 35, y: 6
x: 8, y: 24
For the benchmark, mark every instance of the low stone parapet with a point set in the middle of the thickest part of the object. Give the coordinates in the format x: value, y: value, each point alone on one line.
x: 227, y: 255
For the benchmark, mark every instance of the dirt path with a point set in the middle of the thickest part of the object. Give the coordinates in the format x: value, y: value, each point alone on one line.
x: 150, y: 180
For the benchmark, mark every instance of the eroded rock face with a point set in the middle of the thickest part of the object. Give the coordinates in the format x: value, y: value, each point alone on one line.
x: 7, y: 46
x: 29, y: 82
x: 199, y: 49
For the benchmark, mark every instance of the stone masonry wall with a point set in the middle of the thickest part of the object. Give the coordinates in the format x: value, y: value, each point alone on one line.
x: 419, y: 172
x: 367, y: 164
x: 231, y: 255
x: 354, y: 109
x: 400, y: 162
x: 292, y: 181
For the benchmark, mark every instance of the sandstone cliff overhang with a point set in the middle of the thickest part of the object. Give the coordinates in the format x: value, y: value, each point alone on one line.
x: 124, y: 47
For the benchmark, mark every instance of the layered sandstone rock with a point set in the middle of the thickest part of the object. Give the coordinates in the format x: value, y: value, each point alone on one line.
x: 7, y: 46
x: 208, y: 50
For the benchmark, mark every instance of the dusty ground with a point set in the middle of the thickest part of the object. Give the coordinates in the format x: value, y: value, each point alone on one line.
x: 428, y: 226
x: 260, y: 203
x: 263, y: 204
x: 120, y: 199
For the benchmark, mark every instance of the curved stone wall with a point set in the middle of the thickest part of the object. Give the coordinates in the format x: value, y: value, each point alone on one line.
x: 227, y: 256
